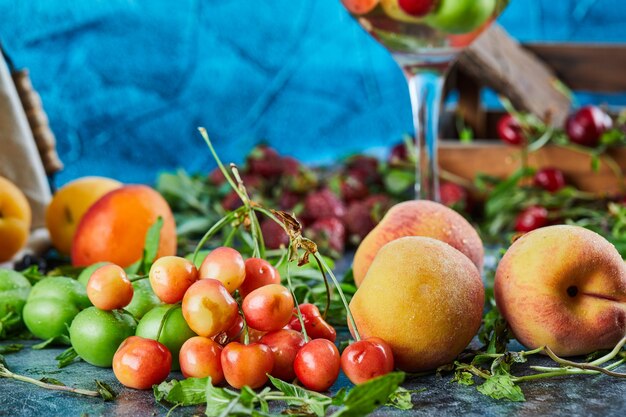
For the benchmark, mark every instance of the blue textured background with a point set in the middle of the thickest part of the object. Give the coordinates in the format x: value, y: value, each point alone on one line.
x: 125, y: 83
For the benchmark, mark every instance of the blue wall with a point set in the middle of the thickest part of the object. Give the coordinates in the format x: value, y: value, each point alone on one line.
x: 125, y: 83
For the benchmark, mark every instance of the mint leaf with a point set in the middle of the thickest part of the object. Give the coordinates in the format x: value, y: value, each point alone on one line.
x: 463, y: 378
x: 501, y: 386
x: 221, y: 402
x: 66, y: 357
x: 398, y: 181
x: 190, y: 391
x: 105, y: 391
x: 51, y: 381
x: 63, y: 339
x: 367, y: 397
x: 401, y: 398
x: 316, y: 402
x: 11, y: 348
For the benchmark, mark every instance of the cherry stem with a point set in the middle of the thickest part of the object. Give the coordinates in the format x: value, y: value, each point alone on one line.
x: 246, y: 333
x: 255, y: 227
x: 325, y: 313
x: 5, y: 373
x: 138, y: 278
x: 166, y: 316
x: 221, y: 166
x: 584, y: 366
x: 357, y: 335
x: 214, y: 229
x: 611, y: 354
x: 295, y: 301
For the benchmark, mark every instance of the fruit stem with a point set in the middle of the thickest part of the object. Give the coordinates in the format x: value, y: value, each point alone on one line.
x: 255, y: 228
x: 5, y: 373
x: 357, y: 335
x: 295, y: 301
x: 327, y: 307
x: 611, y: 354
x: 221, y: 166
x: 214, y: 229
x: 246, y: 333
x: 584, y: 366
x: 166, y: 316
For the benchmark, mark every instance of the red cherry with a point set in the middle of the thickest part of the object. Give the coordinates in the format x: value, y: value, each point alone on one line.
x: 367, y: 359
x: 246, y: 364
x: 532, y: 218
x: 316, y: 327
x: 399, y: 154
x: 285, y: 345
x: 587, y: 125
x: 510, y: 131
x: 317, y: 364
x: 550, y: 179
x: 417, y: 7
x: 452, y: 194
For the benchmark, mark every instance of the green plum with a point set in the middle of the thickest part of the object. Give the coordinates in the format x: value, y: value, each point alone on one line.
x: 14, y: 289
x: 84, y: 276
x: 144, y: 299
x: 48, y: 318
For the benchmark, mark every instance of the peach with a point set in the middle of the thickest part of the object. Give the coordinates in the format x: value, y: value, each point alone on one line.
x: 114, y: 228
x: 419, y: 218
x: 424, y: 298
x: 15, y: 220
x: 68, y: 206
x: 563, y: 287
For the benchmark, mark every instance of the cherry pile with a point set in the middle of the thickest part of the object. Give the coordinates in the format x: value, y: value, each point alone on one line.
x: 247, y: 326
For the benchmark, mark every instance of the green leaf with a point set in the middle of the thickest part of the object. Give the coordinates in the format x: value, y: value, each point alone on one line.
x: 66, y: 357
x: 401, y: 398
x: 501, y: 386
x: 151, y: 245
x: 398, y: 181
x: 190, y: 391
x: 105, y: 391
x: 595, y: 163
x: 463, y: 378
x: 222, y: 402
x: 466, y: 135
x: 52, y: 381
x: 367, y: 397
x: 315, y: 401
x: 11, y: 348
x: 63, y: 339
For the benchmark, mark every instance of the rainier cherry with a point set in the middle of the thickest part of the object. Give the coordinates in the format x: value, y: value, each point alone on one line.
x: 170, y: 276
x: 225, y: 265
x: 201, y: 357
x: 510, y: 131
x: 108, y: 288
x: 140, y: 363
x: 259, y: 273
x: 366, y: 359
x: 268, y: 308
x: 550, y: 179
x: 246, y: 364
x: 587, y: 125
x: 315, y: 326
x: 317, y: 364
x: 532, y: 218
x: 285, y: 345
x: 417, y: 8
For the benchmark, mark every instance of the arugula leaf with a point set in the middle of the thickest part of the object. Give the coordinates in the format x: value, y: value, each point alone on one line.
x: 401, y: 398
x: 463, y: 378
x: 11, y: 348
x: 501, y: 386
x: 190, y: 391
x: 367, y: 397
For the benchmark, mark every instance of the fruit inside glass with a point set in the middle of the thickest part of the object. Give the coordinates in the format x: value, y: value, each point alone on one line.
x: 424, y: 37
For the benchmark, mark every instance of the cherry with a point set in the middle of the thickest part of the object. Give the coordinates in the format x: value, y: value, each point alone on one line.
x: 531, y: 218
x: 201, y: 357
x: 268, y: 308
x: 417, y: 8
x: 587, y: 125
x: 316, y: 327
x: 367, y: 359
x: 550, y: 179
x: 317, y: 364
x: 399, y: 154
x: 452, y: 194
x: 225, y: 265
x: 140, y: 363
x: 171, y: 276
x: 259, y: 273
x: 247, y: 364
x: 208, y: 308
x: 285, y: 345
x: 510, y: 131
x: 108, y: 288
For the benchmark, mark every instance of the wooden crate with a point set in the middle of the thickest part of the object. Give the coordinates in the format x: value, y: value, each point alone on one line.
x: 582, y: 67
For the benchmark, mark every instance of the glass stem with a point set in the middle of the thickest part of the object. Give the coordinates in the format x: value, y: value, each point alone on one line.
x: 426, y: 88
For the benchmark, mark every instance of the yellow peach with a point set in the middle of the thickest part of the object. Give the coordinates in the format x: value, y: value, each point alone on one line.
x: 15, y: 220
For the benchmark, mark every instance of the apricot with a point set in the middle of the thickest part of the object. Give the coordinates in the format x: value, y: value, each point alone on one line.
x: 424, y: 298
x: 563, y: 287
x: 68, y: 206
x: 15, y: 220
x: 419, y: 218
x: 114, y: 228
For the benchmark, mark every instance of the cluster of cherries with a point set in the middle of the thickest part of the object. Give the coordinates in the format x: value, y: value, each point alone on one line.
x: 584, y: 127
x: 247, y: 326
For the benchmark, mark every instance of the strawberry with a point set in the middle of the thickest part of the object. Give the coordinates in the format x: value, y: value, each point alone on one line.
x: 353, y: 188
x: 323, y: 204
x: 273, y: 234
x: 265, y: 162
x: 231, y: 201
x: 359, y: 220
x: 364, y: 167
x: 329, y: 233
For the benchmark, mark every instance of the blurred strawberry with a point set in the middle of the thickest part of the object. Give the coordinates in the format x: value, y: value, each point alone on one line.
x: 231, y: 201
x: 453, y: 195
x: 288, y: 200
x: 329, y: 233
x: 353, y: 188
x: 264, y: 161
x: 359, y: 220
x: 323, y: 204
x: 363, y: 167
x: 273, y: 234
x: 399, y: 155
x: 290, y: 166
x: 252, y: 182
x: 379, y: 204
x: 216, y: 177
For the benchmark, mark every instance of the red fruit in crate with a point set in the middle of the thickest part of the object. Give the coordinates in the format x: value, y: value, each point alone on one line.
x: 399, y: 154
x: 510, y: 131
x: 290, y: 166
x: 323, y: 204
x: 417, y: 8
x: 453, y: 195
x: 288, y: 200
x: 216, y: 177
x: 550, y: 179
x: 273, y: 234
x: 265, y: 161
x: 586, y: 126
x: 252, y: 182
x: 359, y: 220
x: 531, y: 218
x: 364, y: 167
x: 353, y: 188
x: 329, y: 232
x: 231, y: 201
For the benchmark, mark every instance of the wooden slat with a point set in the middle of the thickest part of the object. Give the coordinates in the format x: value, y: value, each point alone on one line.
x: 589, y: 67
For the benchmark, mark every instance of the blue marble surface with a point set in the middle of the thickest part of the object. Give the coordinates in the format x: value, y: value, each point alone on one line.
x: 126, y: 83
